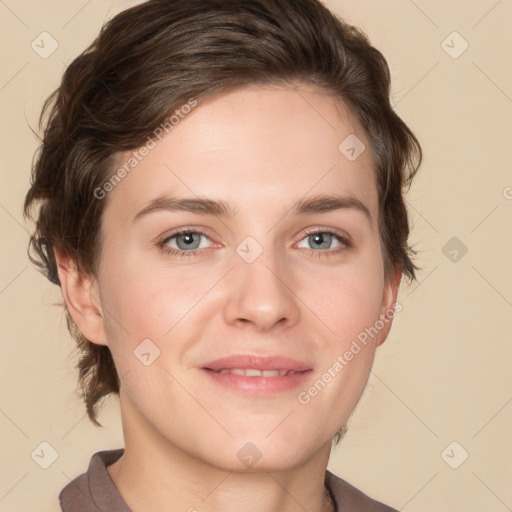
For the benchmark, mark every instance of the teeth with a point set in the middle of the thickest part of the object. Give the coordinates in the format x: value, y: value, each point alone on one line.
x: 251, y: 372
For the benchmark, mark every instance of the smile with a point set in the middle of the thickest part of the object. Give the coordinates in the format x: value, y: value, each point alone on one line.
x: 251, y: 372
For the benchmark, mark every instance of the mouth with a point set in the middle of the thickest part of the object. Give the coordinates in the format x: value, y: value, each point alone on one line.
x: 257, y: 375
x: 247, y: 362
x: 252, y: 372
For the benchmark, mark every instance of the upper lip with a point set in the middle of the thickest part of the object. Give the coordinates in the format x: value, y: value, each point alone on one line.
x: 257, y: 363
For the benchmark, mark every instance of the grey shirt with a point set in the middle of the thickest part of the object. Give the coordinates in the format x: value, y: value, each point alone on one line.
x: 94, y: 491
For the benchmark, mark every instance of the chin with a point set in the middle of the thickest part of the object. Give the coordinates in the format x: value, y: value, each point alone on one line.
x: 253, y: 461
x: 258, y: 453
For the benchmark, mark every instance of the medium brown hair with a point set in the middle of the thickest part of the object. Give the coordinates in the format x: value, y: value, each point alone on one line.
x: 148, y: 61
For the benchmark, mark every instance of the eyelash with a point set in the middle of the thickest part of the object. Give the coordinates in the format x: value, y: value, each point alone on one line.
x: 195, y: 252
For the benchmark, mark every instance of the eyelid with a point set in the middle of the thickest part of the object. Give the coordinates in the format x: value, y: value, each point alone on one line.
x: 187, y: 229
x: 342, y: 237
x: 204, y: 232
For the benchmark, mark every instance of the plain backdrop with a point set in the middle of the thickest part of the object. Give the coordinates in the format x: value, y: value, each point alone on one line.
x: 441, y: 387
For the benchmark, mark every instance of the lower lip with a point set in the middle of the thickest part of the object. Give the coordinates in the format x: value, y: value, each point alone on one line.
x: 258, y: 385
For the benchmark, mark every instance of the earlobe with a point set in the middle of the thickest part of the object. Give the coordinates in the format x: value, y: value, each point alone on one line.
x: 388, y: 305
x: 81, y: 295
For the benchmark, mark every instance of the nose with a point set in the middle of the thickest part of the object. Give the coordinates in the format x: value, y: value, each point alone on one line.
x: 262, y: 294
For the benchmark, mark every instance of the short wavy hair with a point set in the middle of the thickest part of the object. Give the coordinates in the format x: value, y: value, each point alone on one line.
x: 152, y: 58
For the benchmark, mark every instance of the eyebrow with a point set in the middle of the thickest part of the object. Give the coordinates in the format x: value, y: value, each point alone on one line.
x: 219, y: 208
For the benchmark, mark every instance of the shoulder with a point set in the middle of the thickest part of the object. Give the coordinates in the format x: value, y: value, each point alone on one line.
x: 77, y: 496
x: 350, y: 499
x: 94, y: 491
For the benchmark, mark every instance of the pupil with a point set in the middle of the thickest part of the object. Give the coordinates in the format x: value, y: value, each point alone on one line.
x: 319, y: 238
x: 187, y: 240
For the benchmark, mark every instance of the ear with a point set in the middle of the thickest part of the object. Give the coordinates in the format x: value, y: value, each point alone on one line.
x: 389, y: 306
x: 81, y: 294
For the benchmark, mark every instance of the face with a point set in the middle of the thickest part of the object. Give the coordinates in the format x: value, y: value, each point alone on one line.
x: 277, y: 268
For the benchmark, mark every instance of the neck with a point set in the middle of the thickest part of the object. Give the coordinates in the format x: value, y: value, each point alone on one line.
x: 153, y: 473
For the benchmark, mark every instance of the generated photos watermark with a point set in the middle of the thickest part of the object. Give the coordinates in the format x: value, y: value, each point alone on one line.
x: 305, y: 396
x: 137, y: 156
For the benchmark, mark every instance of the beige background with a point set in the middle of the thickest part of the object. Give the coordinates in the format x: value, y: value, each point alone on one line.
x: 444, y: 373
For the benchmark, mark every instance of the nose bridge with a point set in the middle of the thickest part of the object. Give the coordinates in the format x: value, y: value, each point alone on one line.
x: 261, y: 289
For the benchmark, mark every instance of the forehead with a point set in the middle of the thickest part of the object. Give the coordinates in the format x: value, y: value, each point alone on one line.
x: 254, y: 147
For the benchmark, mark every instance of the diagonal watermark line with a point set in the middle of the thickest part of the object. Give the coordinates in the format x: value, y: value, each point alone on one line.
x: 14, y: 76
x: 404, y: 403
x: 486, y: 14
x: 69, y: 431
x: 14, y: 218
x: 424, y: 14
x: 106, y: 86
x: 3, y: 3
x: 217, y: 486
x: 103, y: 308
x: 300, y: 300
x: 96, y: 301
x: 508, y: 401
x: 422, y: 281
x: 280, y: 423
x: 107, y: 14
x: 194, y: 305
x: 491, y: 80
x: 186, y: 185
x: 77, y: 488
x: 405, y: 504
x: 491, y: 285
x: 76, y: 14
x: 314, y: 109
x: 121, y: 378
x: 13, y: 423
x: 413, y: 222
x: 91, y: 115
x: 13, y: 279
x: 485, y: 485
x: 492, y: 211
x: 422, y: 216
x: 416, y: 84
x: 311, y: 188
x: 14, y: 485
x: 200, y: 404
x: 286, y: 490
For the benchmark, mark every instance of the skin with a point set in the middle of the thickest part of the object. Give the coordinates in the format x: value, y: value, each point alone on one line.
x: 182, y: 432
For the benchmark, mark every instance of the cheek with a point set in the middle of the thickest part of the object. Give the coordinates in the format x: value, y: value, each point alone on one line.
x: 346, y: 300
x: 139, y: 304
x: 165, y: 305
x: 147, y: 313
x: 349, y: 305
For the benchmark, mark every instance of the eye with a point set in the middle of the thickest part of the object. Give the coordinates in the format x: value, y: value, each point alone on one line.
x: 191, y: 242
x: 324, y: 240
x: 186, y: 242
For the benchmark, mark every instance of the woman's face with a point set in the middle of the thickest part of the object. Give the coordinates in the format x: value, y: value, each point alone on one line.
x: 249, y: 281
